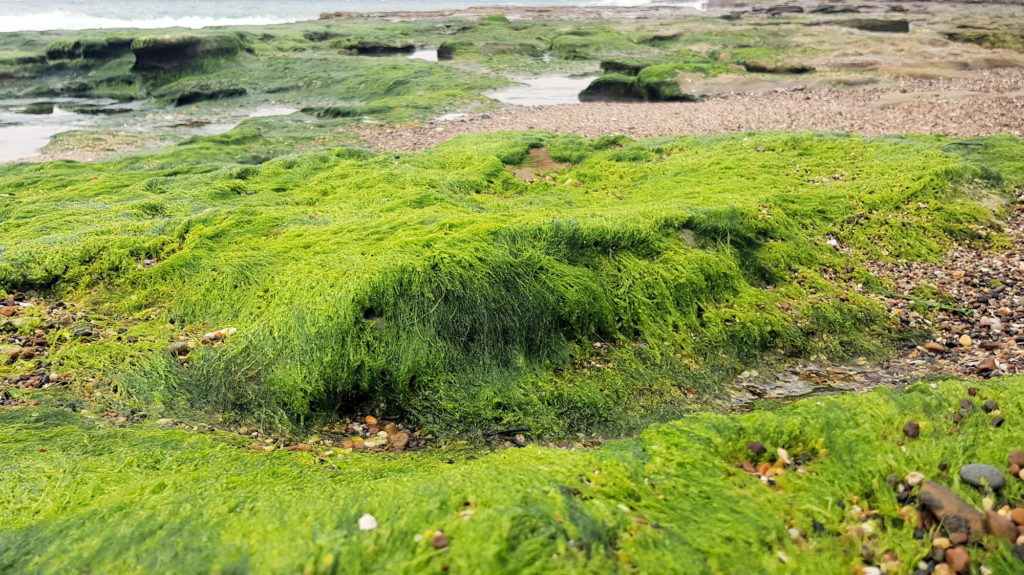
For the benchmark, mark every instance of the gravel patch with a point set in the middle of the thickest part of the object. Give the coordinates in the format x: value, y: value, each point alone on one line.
x: 990, y: 102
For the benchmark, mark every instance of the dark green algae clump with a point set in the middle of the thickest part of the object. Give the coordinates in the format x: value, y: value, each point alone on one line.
x: 147, y: 499
x: 437, y: 288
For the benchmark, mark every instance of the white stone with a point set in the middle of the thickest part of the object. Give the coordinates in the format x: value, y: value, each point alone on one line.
x: 367, y: 523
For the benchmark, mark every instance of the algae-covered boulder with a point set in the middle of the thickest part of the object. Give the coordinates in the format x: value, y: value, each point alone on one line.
x: 188, y: 91
x: 103, y: 48
x: 658, y: 84
x: 175, y: 52
x: 446, y: 51
x: 372, y: 48
x: 877, y: 25
x: 990, y: 39
x: 627, y: 67
x: 613, y: 87
x: 759, y: 67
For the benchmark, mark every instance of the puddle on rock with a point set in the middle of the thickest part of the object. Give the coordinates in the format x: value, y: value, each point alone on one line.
x: 542, y: 91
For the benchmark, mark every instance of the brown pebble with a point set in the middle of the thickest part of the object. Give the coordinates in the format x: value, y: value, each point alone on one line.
x: 439, y: 540
x: 371, y: 420
x: 935, y: 347
x: 1016, y: 457
x: 988, y: 364
x: 966, y: 403
x: 1017, y: 515
x: 944, y: 466
x: 958, y: 559
x: 972, y: 391
x: 756, y: 447
x: 399, y: 441
x: 912, y: 429
x: 1000, y: 526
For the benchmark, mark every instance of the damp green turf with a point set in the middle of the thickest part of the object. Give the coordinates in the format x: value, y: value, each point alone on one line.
x: 146, y: 499
x: 437, y: 287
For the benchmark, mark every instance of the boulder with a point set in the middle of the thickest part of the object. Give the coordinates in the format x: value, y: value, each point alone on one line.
x: 614, y: 88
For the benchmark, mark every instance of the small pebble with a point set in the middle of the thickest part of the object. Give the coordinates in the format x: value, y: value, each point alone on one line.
x: 912, y: 429
x: 439, y: 540
x: 756, y: 447
x: 998, y: 422
x: 980, y: 474
x: 367, y: 523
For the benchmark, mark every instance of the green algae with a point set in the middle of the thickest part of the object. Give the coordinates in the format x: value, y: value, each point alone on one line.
x: 148, y: 499
x: 437, y: 285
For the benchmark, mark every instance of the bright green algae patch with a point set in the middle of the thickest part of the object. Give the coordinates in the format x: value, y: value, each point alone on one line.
x: 145, y: 499
x: 442, y: 288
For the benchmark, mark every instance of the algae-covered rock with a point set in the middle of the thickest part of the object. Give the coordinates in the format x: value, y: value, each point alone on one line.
x: 877, y: 25
x: 629, y: 68
x: 41, y: 108
x: 759, y: 67
x: 990, y: 39
x: 614, y: 88
x: 106, y: 48
x: 175, y: 52
x: 371, y: 48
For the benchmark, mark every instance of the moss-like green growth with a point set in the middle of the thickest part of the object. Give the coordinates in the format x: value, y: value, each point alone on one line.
x: 83, y: 495
x: 440, y: 286
x: 990, y: 39
x: 91, y: 48
x: 165, y: 53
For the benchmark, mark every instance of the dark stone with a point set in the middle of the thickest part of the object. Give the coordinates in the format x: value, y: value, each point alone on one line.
x: 998, y: 422
x: 818, y: 526
x: 755, y: 66
x: 943, y: 466
x: 990, y: 406
x: 366, y: 48
x: 756, y: 447
x: 983, y: 475
x: 783, y: 9
x: 877, y: 25
x: 966, y: 403
x: 912, y: 429
x: 972, y: 391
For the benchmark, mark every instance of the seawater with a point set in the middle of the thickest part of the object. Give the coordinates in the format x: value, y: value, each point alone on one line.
x: 24, y: 15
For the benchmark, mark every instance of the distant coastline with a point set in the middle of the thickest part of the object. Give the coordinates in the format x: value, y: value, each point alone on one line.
x: 24, y: 16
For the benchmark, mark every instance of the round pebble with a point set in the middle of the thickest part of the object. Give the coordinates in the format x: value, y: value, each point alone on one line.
x: 980, y: 474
